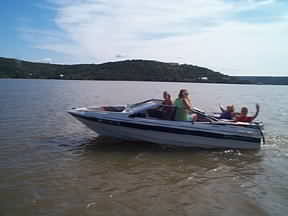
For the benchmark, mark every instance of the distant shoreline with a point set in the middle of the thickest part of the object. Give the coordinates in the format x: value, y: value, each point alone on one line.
x: 248, y: 84
x: 128, y: 70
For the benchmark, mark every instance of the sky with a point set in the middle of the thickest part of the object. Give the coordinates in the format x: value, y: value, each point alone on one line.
x: 234, y: 37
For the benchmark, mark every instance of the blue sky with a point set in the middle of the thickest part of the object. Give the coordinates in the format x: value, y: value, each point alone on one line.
x: 235, y: 37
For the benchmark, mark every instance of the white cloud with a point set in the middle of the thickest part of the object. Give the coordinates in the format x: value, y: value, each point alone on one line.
x: 189, y: 31
x: 44, y: 60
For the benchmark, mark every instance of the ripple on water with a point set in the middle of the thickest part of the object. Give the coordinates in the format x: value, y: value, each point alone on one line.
x: 53, y: 165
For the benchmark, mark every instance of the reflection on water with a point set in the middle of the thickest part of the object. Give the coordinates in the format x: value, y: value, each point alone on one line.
x: 50, y: 164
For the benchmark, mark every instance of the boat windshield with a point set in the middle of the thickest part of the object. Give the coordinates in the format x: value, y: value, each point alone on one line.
x: 154, y: 108
x: 144, y: 105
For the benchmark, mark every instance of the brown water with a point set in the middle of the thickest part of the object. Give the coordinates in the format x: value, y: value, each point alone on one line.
x: 50, y: 164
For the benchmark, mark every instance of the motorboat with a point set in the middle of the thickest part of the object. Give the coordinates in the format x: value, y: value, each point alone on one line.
x: 154, y: 122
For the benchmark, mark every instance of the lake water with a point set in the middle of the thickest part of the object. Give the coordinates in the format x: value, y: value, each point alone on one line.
x: 50, y: 164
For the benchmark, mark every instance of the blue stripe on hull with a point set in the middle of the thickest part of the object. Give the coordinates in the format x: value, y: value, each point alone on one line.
x: 170, y: 130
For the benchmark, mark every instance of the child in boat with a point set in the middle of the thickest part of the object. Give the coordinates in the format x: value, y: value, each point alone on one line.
x: 165, y: 110
x: 167, y: 99
x: 243, y: 117
x: 228, y: 114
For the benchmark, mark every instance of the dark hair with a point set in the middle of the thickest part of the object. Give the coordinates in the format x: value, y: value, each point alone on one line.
x: 180, y: 95
x: 165, y: 93
x: 244, y: 109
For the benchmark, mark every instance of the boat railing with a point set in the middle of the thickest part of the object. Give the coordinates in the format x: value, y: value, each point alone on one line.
x: 146, y: 101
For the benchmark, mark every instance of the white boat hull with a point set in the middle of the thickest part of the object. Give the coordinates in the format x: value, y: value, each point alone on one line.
x: 163, y: 137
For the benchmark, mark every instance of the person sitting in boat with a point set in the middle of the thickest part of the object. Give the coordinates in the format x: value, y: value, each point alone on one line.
x: 227, y: 113
x: 167, y: 99
x: 243, y: 117
x: 167, y: 109
x: 184, y: 107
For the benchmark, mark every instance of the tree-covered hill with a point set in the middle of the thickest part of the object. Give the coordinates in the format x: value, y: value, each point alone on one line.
x: 133, y: 70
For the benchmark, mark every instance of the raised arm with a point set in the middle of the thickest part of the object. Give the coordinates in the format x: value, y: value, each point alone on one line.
x: 257, y: 111
x: 221, y: 108
x: 188, y: 104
